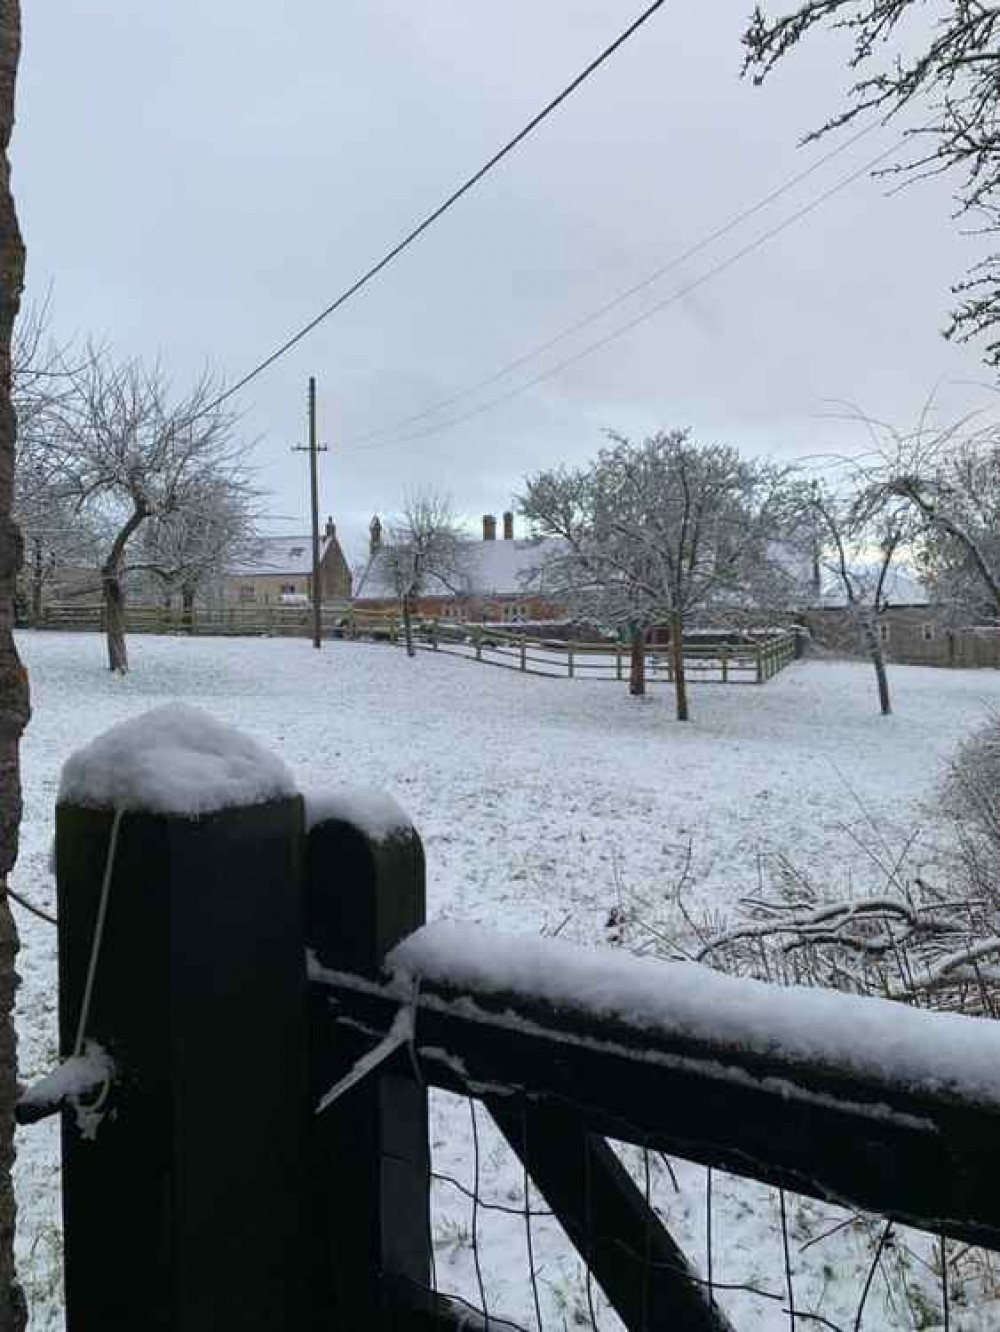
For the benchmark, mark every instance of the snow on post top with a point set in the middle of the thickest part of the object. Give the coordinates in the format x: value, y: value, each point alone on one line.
x: 173, y: 760
x: 372, y: 810
x: 875, y: 1039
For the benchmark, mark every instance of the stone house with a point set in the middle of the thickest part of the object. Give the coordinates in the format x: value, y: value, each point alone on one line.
x: 913, y: 630
x: 281, y: 572
x: 496, y: 584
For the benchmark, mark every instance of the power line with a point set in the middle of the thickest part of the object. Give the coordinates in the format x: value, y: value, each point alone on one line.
x: 675, y: 296
x: 442, y: 208
x: 737, y: 220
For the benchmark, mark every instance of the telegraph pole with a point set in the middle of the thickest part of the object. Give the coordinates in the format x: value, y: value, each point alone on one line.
x: 314, y: 449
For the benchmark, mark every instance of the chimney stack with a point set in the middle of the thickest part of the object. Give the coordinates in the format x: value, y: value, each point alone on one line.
x: 330, y: 531
x: 374, y: 535
x: 508, y: 526
x: 489, y: 527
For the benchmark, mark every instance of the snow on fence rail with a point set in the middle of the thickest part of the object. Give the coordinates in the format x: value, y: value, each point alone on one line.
x: 750, y: 659
x: 753, y: 659
x: 224, y: 1042
x: 251, y: 621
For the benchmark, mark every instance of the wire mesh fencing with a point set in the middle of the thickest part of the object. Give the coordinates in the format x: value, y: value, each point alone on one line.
x: 764, y: 1258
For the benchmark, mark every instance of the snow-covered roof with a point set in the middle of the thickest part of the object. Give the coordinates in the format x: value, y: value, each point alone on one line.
x: 902, y: 587
x: 282, y: 555
x: 499, y: 568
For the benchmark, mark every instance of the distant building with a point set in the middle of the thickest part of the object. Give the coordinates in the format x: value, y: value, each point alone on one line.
x: 913, y: 629
x: 281, y: 572
x: 498, y: 583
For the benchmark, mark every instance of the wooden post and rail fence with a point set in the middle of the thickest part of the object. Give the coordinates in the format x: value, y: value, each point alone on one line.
x: 731, y: 659
x: 737, y: 658
x: 246, y: 966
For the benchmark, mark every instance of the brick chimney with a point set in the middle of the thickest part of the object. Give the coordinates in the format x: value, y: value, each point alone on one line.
x: 330, y: 531
x: 508, y: 526
x: 374, y: 535
x: 489, y: 527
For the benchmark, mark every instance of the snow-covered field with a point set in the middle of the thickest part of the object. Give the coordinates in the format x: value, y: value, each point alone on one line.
x: 543, y: 804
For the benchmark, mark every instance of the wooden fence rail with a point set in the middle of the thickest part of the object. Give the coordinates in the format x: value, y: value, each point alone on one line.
x: 251, y: 621
x: 752, y: 659
x: 224, y: 1051
x: 749, y: 659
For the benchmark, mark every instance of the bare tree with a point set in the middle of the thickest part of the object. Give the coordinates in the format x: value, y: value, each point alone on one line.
x: 578, y: 566
x: 60, y: 547
x: 952, y: 73
x: 43, y: 383
x: 14, y: 698
x: 42, y: 378
x: 951, y: 480
x: 660, y: 532
x: 862, y: 536
x: 424, y: 549
x: 131, y: 453
x: 192, y: 548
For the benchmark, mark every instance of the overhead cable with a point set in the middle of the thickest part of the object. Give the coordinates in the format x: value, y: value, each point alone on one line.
x: 442, y: 208
x: 622, y: 329
x: 541, y: 348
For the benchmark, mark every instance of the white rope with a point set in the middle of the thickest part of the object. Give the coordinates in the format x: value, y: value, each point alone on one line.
x: 95, y: 947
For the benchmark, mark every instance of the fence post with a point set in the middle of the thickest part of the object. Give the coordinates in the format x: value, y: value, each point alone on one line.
x: 477, y: 638
x: 760, y: 663
x: 524, y: 653
x: 570, y: 660
x: 724, y: 655
x: 370, y: 1158
x: 184, y: 1211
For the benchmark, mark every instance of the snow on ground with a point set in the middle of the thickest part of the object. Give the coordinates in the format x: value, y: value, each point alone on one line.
x: 542, y: 805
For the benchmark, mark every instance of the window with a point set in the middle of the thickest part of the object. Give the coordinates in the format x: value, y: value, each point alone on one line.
x: 296, y: 552
x: 927, y: 632
x: 247, y: 593
x: 287, y: 589
x: 883, y: 633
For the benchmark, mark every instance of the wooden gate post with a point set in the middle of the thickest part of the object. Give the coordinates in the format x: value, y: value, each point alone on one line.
x: 183, y: 1210
x: 370, y: 1158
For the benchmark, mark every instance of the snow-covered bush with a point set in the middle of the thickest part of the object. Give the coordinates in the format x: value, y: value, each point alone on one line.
x: 971, y: 797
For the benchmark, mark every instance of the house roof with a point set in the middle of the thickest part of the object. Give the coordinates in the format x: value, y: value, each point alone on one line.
x: 493, y: 568
x: 902, y: 587
x: 282, y: 555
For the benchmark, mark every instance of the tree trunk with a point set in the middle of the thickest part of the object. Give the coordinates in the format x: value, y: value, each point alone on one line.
x: 408, y: 628
x: 637, y: 661
x: 677, y: 657
x: 37, y: 579
x: 114, y: 622
x: 114, y: 593
x: 187, y: 609
x: 874, y: 647
x: 14, y: 699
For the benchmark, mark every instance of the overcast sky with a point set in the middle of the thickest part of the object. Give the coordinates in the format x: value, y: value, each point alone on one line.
x: 197, y: 179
